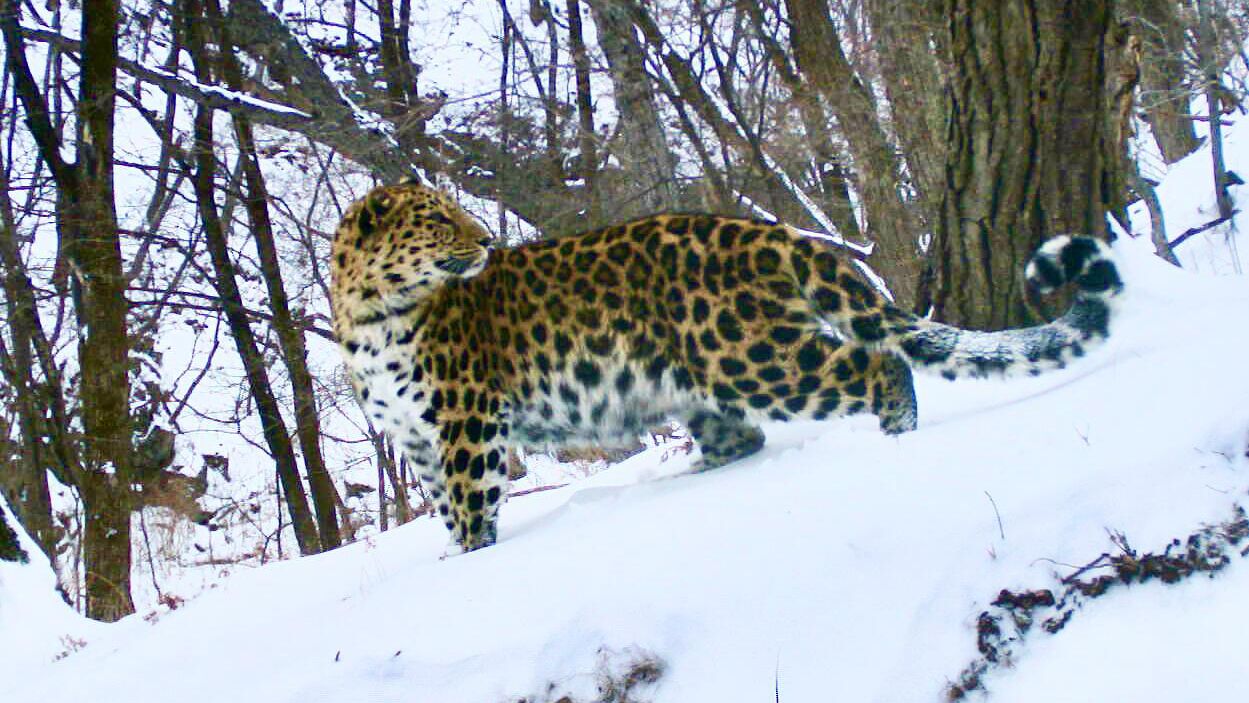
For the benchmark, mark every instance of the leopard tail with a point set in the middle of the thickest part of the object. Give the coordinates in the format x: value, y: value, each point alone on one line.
x: 953, y: 352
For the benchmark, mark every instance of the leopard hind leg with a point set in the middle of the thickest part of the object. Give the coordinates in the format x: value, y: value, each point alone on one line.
x: 724, y: 437
x: 893, y: 394
x: 819, y: 378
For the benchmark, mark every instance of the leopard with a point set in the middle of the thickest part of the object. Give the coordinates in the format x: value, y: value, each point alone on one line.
x: 461, y: 350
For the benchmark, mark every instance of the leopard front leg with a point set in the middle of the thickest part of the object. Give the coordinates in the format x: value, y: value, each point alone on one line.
x: 473, y: 459
x: 424, y: 460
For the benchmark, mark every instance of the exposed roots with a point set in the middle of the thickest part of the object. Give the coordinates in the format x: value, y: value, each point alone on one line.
x: 1013, y: 615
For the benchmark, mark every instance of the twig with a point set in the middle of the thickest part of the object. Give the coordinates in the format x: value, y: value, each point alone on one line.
x: 1001, y: 530
x: 1188, y: 233
x: 1098, y: 563
x: 1204, y: 118
x: 151, y: 560
x: 776, y: 679
x: 536, y: 489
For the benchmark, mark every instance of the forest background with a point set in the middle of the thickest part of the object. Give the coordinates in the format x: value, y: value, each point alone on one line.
x: 171, y: 404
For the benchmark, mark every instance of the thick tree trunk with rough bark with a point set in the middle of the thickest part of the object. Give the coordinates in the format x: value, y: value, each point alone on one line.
x: 1028, y: 140
x: 106, y: 545
x: 94, y: 249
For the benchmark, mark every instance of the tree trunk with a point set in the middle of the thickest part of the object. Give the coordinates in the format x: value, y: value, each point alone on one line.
x: 387, y: 470
x: 642, y: 146
x: 1212, y: 87
x: 829, y: 161
x: 27, y: 486
x: 291, y: 340
x: 1164, y: 96
x: 404, y: 107
x: 272, y: 425
x: 106, y: 551
x: 290, y: 335
x: 911, y: 75
x: 1027, y: 148
x: 889, y: 221
x: 587, y: 140
x: 94, y: 249
x: 396, y: 66
x: 764, y: 181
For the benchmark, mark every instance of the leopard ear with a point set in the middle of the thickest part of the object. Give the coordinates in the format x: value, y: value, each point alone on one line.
x: 379, y: 202
x: 376, y: 205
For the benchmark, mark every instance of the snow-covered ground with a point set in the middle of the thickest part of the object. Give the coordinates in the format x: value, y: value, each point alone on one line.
x: 838, y: 564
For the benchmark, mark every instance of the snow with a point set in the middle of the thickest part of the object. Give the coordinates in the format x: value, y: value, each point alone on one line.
x: 1188, y: 201
x: 36, y: 626
x: 1175, y: 644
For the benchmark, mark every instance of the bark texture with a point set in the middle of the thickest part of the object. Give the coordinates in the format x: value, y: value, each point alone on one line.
x: 1028, y: 139
x: 910, y: 55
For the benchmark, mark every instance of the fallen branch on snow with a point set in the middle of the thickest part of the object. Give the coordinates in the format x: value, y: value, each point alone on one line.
x: 536, y: 489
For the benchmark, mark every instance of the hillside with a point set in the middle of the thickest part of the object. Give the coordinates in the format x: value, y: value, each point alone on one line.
x: 838, y: 564
x: 839, y: 561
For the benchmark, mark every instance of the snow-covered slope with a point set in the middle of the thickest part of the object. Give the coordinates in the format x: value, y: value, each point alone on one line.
x: 36, y: 626
x: 839, y: 564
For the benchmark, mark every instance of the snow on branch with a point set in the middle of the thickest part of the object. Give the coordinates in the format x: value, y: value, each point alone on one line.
x: 213, y: 96
x: 860, y: 251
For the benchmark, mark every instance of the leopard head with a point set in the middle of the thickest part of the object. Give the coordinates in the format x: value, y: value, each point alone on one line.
x: 398, y: 244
